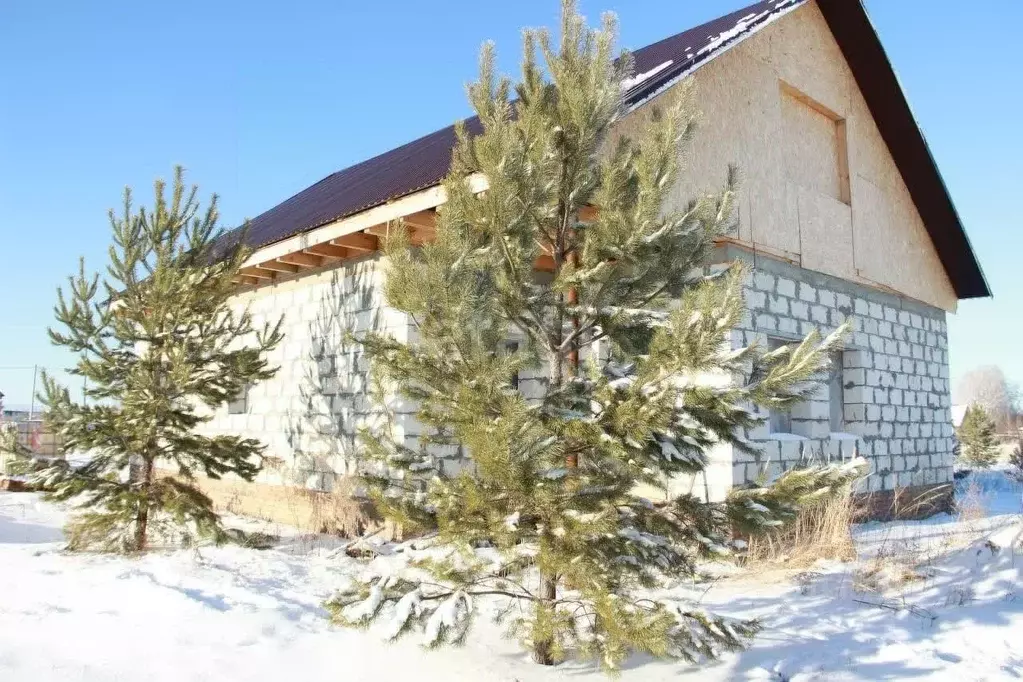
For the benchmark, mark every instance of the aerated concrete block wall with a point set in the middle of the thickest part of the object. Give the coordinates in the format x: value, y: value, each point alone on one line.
x: 894, y: 377
x: 310, y: 413
x: 894, y: 381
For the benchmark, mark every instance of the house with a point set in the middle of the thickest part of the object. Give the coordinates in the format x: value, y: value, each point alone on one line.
x: 842, y: 213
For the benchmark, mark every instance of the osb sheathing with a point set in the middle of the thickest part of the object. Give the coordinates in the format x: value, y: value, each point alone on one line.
x: 877, y: 237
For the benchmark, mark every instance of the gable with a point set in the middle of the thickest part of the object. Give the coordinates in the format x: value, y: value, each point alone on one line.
x: 819, y: 185
x: 304, y: 232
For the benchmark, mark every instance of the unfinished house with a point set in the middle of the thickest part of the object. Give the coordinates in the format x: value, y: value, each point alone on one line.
x: 842, y: 213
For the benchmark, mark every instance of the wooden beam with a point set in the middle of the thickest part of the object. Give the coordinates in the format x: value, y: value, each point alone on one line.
x: 303, y: 260
x: 417, y: 236
x: 587, y: 214
x: 278, y: 266
x: 358, y: 241
x: 248, y: 280
x: 328, y: 251
x: 258, y: 272
x: 422, y: 220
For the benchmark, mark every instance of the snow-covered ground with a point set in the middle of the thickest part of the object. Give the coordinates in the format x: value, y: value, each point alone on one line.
x: 940, y: 599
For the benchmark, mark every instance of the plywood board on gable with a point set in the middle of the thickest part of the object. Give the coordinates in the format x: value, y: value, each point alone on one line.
x: 826, y: 234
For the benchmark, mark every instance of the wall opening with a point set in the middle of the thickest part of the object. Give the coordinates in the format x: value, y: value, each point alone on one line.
x: 816, y: 151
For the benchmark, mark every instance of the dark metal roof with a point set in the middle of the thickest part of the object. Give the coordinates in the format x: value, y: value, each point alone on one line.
x: 424, y: 162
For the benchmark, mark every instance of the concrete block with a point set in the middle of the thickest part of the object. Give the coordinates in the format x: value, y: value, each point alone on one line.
x: 854, y: 413
x: 811, y: 409
x: 810, y: 429
x: 857, y: 358
x: 786, y: 287
x: 770, y: 450
x: 807, y: 293
x: 779, y: 305
x: 763, y: 281
x: 826, y: 298
x: 857, y: 377
x: 859, y: 394
x: 767, y: 322
x: 791, y: 450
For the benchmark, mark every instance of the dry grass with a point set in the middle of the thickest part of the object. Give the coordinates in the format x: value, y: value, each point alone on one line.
x: 821, y: 531
x: 340, y: 512
x: 905, y: 555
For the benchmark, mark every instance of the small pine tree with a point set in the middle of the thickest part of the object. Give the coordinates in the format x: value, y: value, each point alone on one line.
x: 976, y: 435
x: 159, y: 344
x: 628, y: 335
x: 1016, y: 460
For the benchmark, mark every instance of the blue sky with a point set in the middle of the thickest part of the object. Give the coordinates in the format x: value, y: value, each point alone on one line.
x: 261, y: 99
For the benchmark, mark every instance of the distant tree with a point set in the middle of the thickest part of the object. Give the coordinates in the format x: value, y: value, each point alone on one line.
x: 1016, y: 460
x: 988, y: 387
x: 159, y: 344
x: 976, y: 435
x: 546, y: 513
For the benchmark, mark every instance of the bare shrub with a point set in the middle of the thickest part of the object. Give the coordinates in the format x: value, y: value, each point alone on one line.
x: 970, y: 506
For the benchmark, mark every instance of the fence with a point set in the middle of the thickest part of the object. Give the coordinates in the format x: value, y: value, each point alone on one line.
x: 31, y: 434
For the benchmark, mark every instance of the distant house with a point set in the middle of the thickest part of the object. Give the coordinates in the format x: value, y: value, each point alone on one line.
x: 958, y: 412
x: 842, y: 213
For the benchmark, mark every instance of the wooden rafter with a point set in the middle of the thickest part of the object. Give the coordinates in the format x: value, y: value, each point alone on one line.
x: 279, y: 266
x: 422, y: 220
x: 303, y: 260
x: 258, y: 272
x: 247, y: 280
x: 330, y: 251
x: 357, y: 241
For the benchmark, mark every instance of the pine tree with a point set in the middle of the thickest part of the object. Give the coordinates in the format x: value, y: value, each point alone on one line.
x: 1016, y: 460
x: 628, y: 330
x: 160, y: 346
x: 976, y: 434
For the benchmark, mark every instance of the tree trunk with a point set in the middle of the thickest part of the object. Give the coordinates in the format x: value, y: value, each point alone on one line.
x: 543, y: 650
x: 572, y: 459
x: 145, y: 473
